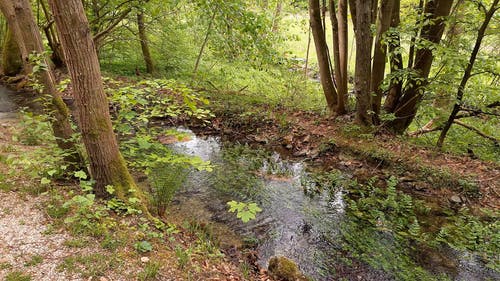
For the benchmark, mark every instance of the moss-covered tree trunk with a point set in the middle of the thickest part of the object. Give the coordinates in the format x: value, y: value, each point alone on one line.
x: 27, y: 35
x: 12, y: 63
x: 146, y: 53
x: 106, y: 162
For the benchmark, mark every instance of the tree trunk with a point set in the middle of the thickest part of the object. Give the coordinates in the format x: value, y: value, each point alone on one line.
x: 343, y: 53
x: 53, y: 41
x: 341, y: 105
x: 416, y: 30
x: 12, y: 63
x: 363, y: 62
x: 204, y: 44
x: 27, y: 34
x: 407, y: 107
x: 396, y: 61
x: 322, y: 53
x: 277, y: 17
x: 106, y: 162
x: 379, y: 56
x: 144, y: 42
x: 468, y: 71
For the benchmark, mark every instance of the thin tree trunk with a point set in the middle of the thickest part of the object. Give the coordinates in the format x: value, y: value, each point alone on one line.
x: 341, y: 107
x: 380, y: 56
x: 144, y: 43
x: 204, y: 44
x: 343, y: 52
x: 352, y: 8
x: 322, y: 53
x: 467, y: 73
x: 407, y: 106
x: 53, y: 41
x: 306, y: 68
x: 277, y: 17
x: 396, y: 61
x: 27, y: 34
x: 106, y: 162
x: 411, y: 53
x: 363, y: 62
x: 341, y: 103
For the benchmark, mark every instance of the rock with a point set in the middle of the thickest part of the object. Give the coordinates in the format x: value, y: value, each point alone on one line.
x: 144, y: 259
x: 103, y: 279
x: 456, y: 199
x: 283, y: 269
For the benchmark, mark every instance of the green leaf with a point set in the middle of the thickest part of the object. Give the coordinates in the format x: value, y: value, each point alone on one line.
x: 80, y: 175
x: 110, y: 189
x: 45, y: 181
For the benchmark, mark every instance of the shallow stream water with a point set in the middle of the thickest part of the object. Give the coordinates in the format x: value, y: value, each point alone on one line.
x: 7, y: 105
x: 300, y: 225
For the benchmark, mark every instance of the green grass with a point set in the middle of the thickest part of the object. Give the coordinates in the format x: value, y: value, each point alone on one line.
x: 17, y: 276
x: 150, y: 271
x: 89, y: 266
x: 35, y: 260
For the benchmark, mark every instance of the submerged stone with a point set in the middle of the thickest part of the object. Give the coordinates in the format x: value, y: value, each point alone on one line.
x: 283, y: 269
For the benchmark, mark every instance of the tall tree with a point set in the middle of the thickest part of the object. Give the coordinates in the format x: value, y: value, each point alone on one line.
x: 27, y: 34
x: 468, y: 70
x: 318, y: 31
x: 436, y: 12
x: 380, y: 55
x: 362, y: 73
x: 146, y: 53
x: 106, y: 162
x: 339, y: 35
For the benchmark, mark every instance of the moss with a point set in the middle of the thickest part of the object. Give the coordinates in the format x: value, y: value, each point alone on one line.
x: 281, y: 268
x: 11, y: 58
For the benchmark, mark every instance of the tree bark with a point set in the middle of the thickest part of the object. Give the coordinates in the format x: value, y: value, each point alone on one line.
x: 53, y: 41
x: 204, y: 44
x: 396, y: 62
x: 144, y: 43
x: 322, y: 53
x: 379, y: 56
x: 339, y: 75
x: 407, y: 106
x: 20, y: 15
x: 343, y: 52
x: 467, y: 73
x: 363, y: 62
x: 416, y: 30
x: 106, y: 162
x: 12, y: 63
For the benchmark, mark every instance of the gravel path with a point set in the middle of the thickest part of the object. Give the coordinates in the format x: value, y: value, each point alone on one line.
x: 24, y: 239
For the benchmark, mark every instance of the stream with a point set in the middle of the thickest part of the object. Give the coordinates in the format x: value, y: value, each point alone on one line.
x: 303, y: 223
x: 7, y: 105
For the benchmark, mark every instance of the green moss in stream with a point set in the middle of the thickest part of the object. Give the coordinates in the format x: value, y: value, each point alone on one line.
x: 381, y: 251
